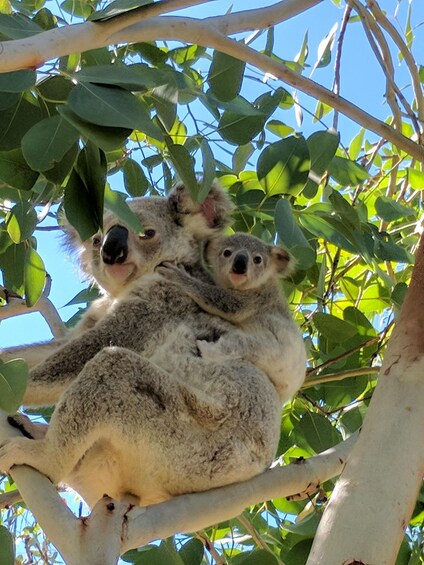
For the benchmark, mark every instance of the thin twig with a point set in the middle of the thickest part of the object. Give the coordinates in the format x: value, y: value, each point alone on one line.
x: 336, y: 84
x: 339, y: 376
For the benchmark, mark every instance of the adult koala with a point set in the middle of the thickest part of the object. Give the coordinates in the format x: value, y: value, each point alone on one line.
x: 140, y: 415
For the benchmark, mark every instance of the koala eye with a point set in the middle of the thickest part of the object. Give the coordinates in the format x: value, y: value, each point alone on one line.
x: 257, y: 259
x: 227, y: 252
x: 148, y: 234
x: 97, y: 240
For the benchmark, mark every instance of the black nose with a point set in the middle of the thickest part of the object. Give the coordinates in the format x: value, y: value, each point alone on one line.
x: 241, y: 260
x: 115, y: 245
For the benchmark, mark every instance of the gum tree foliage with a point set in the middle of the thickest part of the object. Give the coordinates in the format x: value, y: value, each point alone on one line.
x: 348, y: 207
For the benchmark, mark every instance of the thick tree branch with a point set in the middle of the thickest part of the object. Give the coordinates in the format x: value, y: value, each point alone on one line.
x: 116, y: 527
x: 210, y: 32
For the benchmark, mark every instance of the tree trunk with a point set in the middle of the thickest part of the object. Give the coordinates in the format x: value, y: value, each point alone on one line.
x: 374, y: 498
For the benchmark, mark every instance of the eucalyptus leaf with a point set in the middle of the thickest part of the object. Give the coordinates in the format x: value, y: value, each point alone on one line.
x: 7, y: 552
x: 47, y: 142
x: 225, y: 76
x: 34, y: 277
x: 283, y: 167
x: 15, y: 171
x: 21, y: 221
x: 13, y: 379
x: 17, y: 81
x: 112, y: 107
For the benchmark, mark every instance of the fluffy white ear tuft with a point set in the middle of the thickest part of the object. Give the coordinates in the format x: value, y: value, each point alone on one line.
x: 204, y: 219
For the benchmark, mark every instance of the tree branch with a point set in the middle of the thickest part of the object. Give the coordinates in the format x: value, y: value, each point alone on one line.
x: 384, y: 473
x: 127, y: 526
x: 210, y: 32
x: 16, y: 306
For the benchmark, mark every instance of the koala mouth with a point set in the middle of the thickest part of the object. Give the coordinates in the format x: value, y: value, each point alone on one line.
x: 238, y: 279
x: 120, y: 271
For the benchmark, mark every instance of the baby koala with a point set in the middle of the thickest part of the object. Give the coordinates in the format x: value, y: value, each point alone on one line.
x: 247, y: 293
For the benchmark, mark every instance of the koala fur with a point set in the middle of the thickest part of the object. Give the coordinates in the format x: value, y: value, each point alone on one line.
x: 247, y: 293
x: 126, y: 422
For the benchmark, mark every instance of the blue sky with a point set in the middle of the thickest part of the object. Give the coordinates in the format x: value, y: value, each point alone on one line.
x: 362, y: 82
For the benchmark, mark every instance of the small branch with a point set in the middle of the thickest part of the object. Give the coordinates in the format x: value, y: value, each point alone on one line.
x: 17, y: 306
x: 339, y: 376
x: 336, y: 84
x: 10, y: 498
x: 406, y: 54
x: 251, y: 530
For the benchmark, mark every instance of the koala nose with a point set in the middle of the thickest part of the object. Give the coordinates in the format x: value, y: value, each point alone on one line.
x: 115, y: 246
x: 240, y: 263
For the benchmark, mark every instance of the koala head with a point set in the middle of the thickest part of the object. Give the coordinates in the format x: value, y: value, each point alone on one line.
x: 245, y: 262
x: 173, y: 228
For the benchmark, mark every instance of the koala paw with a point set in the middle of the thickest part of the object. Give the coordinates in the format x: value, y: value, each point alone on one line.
x: 28, y: 428
x: 211, y: 351
x: 170, y: 271
x: 11, y: 453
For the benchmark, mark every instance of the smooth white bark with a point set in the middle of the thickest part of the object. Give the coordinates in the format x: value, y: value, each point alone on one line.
x: 374, y: 498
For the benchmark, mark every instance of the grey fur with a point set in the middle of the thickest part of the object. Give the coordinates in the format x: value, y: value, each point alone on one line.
x: 140, y: 414
x: 266, y: 334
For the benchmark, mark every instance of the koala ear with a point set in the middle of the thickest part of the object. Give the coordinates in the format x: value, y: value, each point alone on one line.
x: 283, y: 261
x: 204, y: 219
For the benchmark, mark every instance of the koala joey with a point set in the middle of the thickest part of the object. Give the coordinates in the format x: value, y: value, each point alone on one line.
x: 247, y: 294
x: 126, y: 422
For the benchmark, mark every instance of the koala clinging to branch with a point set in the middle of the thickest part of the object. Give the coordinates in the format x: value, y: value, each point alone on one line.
x: 125, y: 423
x: 247, y: 293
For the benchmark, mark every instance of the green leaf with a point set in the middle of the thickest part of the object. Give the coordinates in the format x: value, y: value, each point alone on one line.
x: 330, y: 231
x: 209, y: 168
x: 84, y: 192
x: 346, y: 172
x: 17, y: 81
x: 318, y: 431
x: 106, y: 138
x: 138, y: 76
x: 241, y: 156
x: 183, y: 163
x: 225, y: 76
x: 34, y: 277
x: 12, y: 264
x: 279, y: 128
x: 416, y: 178
x: 7, y: 553
x: 299, y: 553
x: 21, y: 221
x: 84, y: 296
x: 335, y: 329
x: 283, y: 167
x: 135, y: 180
x: 118, y: 7
x: 322, y: 147
x: 46, y: 143
x: 292, y: 236
x: 78, y: 8
x: 15, y: 171
x: 399, y: 293
x: 113, y: 107
x: 192, y: 552
x: 115, y: 201
x: 18, y: 26
x: 16, y: 120
x: 306, y: 527
x: 356, y: 144
x: 8, y: 99
x: 390, y: 210
x: 13, y: 379
x: 345, y: 209
x: 258, y: 557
